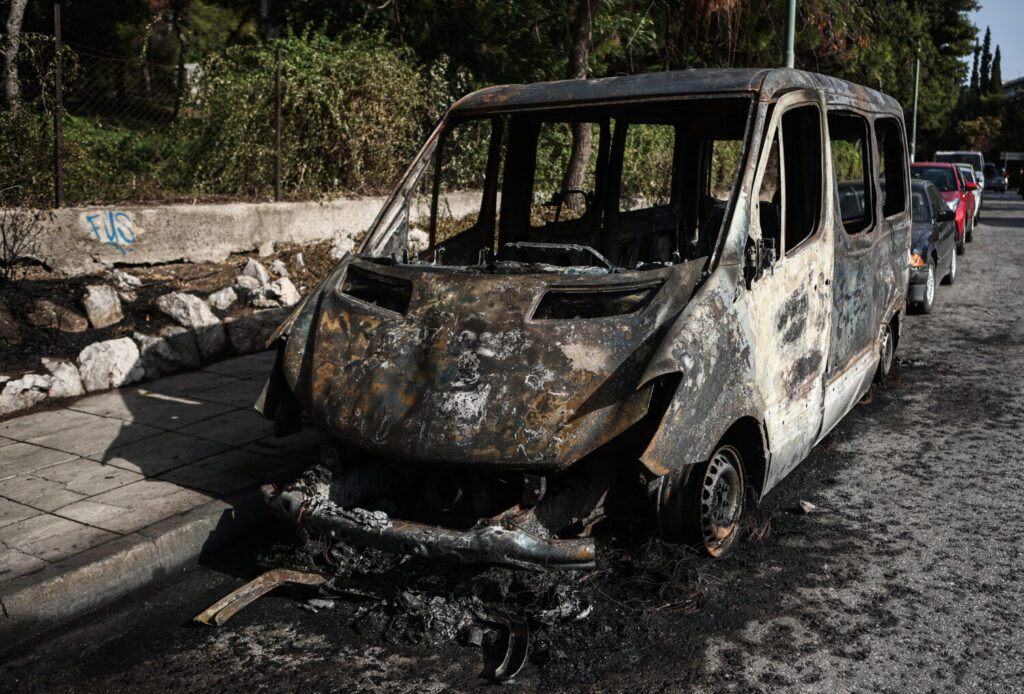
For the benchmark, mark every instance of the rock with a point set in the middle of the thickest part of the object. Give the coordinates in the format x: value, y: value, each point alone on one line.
x: 9, y: 334
x: 46, y: 314
x: 109, y: 364
x: 125, y: 281
x: 193, y: 313
x: 66, y: 381
x: 24, y: 392
x: 127, y: 296
x: 222, y: 298
x: 805, y: 507
x: 299, y: 260
x: 175, y: 347
x: 250, y: 333
x: 255, y: 269
x: 266, y: 248
x: 418, y: 241
x: 249, y: 284
x: 102, y: 305
x: 341, y: 247
x: 278, y: 293
x: 278, y: 268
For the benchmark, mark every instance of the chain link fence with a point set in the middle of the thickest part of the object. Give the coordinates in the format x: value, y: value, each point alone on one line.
x: 134, y: 130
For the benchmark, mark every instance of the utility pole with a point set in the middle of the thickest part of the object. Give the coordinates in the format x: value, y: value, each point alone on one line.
x: 913, y: 127
x: 790, y: 33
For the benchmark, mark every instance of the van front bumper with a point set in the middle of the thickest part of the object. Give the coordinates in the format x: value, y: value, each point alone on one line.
x: 489, y: 542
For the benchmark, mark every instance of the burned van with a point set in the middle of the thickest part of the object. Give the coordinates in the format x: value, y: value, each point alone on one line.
x: 583, y: 285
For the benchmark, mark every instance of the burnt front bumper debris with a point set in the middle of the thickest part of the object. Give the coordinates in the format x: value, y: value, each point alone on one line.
x: 489, y: 542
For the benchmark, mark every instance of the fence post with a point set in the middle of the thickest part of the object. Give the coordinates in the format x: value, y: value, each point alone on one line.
x: 277, y: 138
x: 58, y: 114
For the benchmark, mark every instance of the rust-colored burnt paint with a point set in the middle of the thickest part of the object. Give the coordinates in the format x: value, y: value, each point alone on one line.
x: 468, y: 376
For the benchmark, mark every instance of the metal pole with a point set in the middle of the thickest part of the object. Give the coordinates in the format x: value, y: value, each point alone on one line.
x: 58, y: 115
x: 277, y: 138
x: 790, y: 33
x: 913, y: 128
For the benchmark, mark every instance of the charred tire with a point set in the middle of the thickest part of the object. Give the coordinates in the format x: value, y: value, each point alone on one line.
x: 886, y: 353
x: 703, y: 506
x: 960, y: 244
x: 951, y: 275
x: 970, y: 230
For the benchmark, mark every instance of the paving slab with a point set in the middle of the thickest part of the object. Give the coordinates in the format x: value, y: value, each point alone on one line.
x: 158, y: 454
x: 27, y: 426
x: 38, y: 492
x: 253, y: 366
x: 129, y: 508
x: 88, y: 477
x: 51, y: 538
x: 22, y: 458
x: 183, y: 384
x: 236, y: 428
x: 228, y: 472
x: 12, y: 512
x: 94, y: 437
x: 14, y: 563
x: 148, y: 407
x: 241, y: 393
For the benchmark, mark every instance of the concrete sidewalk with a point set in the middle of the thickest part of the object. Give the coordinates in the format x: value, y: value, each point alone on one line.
x: 114, y: 490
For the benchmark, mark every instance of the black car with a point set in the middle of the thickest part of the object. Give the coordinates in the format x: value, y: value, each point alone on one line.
x: 932, y: 245
x: 995, y: 178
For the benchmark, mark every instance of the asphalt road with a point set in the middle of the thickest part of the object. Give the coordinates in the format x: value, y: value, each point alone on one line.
x: 907, y: 577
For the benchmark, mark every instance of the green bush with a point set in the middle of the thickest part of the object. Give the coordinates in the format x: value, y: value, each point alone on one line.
x: 353, y: 113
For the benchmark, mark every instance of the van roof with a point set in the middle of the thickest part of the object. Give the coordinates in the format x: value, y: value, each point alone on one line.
x: 767, y: 83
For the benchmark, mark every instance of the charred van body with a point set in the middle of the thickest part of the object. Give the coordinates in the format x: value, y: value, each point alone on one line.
x: 689, y: 309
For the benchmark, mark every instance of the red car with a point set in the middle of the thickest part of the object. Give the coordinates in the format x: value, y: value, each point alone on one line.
x: 957, y: 193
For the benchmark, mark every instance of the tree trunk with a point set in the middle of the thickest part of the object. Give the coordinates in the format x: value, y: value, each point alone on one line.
x: 14, y: 17
x: 179, y: 92
x: 582, y: 133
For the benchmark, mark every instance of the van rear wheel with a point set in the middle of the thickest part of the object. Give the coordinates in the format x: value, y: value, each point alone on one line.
x: 885, y: 355
x: 702, y: 507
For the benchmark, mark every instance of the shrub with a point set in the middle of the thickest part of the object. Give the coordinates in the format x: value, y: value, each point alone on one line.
x: 353, y: 112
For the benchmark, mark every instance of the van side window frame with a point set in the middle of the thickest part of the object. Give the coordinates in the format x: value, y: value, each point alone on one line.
x: 867, y: 223
x: 899, y: 157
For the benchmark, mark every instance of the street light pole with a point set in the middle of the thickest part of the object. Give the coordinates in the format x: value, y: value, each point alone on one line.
x: 913, y: 128
x: 790, y: 33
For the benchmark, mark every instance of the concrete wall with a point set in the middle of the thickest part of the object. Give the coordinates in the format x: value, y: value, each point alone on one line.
x: 81, y: 240
x: 88, y: 239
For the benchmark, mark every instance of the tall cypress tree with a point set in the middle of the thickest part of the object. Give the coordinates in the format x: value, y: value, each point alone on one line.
x: 974, y: 68
x: 997, y: 74
x: 985, y: 79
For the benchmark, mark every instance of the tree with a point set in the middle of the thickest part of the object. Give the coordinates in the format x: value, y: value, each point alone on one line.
x: 582, y: 133
x: 974, y: 68
x: 997, y: 74
x: 15, y: 15
x: 985, y: 79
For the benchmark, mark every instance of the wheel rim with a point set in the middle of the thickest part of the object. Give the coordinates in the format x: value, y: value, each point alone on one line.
x: 886, y: 356
x: 929, y: 292
x: 721, y: 501
x: 952, y: 267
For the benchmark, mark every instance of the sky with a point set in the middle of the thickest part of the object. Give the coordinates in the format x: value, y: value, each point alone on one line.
x: 1006, y: 19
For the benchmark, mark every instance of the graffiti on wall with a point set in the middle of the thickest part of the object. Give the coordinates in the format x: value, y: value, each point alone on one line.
x: 112, y: 228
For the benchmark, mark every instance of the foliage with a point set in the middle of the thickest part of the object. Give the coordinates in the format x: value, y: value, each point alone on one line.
x: 20, y: 229
x: 353, y: 112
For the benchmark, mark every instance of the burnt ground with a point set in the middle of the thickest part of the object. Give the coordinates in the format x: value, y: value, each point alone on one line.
x: 906, y: 577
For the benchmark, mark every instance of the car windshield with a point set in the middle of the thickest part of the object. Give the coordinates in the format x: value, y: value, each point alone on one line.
x: 942, y: 176
x: 596, y: 188
x: 921, y: 212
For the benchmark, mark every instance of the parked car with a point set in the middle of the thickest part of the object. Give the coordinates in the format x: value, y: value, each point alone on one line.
x: 967, y: 173
x: 685, y: 332
x: 932, y: 244
x: 995, y: 178
x: 975, y: 158
x: 950, y: 183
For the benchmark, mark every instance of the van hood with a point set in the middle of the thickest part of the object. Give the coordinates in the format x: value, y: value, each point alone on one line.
x: 466, y: 366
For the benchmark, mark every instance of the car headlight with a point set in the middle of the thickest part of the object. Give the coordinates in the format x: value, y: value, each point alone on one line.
x: 952, y: 204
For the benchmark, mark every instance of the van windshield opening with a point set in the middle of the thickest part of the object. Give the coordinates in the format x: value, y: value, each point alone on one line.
x: 630, y: 186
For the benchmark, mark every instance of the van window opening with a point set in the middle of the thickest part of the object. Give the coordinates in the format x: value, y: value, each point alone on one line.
x: 891, y: 167
x: 851, y: 161
x: 652, y: 190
